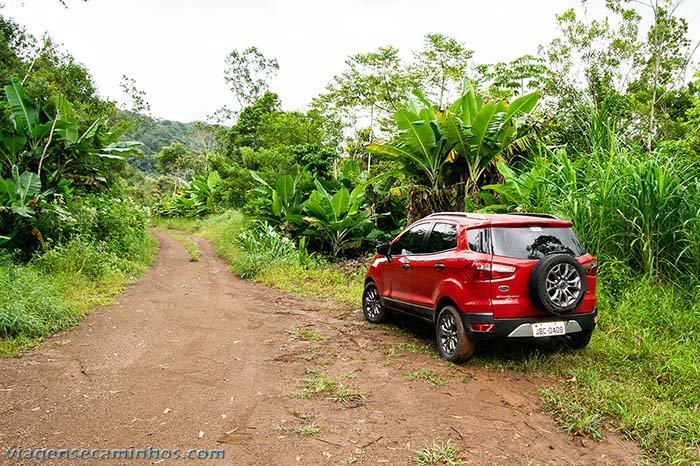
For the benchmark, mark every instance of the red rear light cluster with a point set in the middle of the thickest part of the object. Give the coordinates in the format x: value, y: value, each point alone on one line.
x: 489, y: 271
x: 591, y: 268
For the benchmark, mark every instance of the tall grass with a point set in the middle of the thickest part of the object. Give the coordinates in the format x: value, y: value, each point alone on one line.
x: 643, y: 209
x: 98, y: 253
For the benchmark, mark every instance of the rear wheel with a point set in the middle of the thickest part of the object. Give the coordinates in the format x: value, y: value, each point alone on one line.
x: 579, y: 340
x: 454, y: 342
x: 372, y: 304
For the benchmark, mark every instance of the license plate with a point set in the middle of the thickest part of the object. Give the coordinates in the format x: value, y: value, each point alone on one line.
x: 548, y: 329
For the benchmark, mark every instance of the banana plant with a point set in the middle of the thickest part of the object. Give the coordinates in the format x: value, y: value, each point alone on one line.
x: 282, y: 205
x: 339, y: 220
x: 51, y: 144
x: 21, y: 200
x: 482, y: 132
x: 524, y: 190
x: 201, y: 191
x: 419, y: 144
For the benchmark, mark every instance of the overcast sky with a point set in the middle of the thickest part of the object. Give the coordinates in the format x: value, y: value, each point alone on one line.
x: 175, y: 49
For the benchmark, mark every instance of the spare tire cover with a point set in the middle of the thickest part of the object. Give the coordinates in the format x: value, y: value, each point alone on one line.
x: 558, y: 283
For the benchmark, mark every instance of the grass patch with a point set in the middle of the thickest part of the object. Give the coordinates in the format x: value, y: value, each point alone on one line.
x: 307, y: 334
x: 53, y: 290
x: 189, y: 225
x: 319, y: 384
x: 257, y: 254
x: 305, y: 427
x: 398, y: 350
x: 430, y: 376
x: 193, y: 252
x: 443, y: 454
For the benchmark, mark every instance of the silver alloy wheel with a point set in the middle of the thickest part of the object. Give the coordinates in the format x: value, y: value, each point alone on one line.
x: 563, y: 284
x: 373, y: 303
x: 448, y: 334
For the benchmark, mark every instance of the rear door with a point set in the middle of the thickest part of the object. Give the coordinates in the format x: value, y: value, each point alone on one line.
x: 438, y: 262
x: 477, y: 298
x: 398, y: 274
x: 522, y: 247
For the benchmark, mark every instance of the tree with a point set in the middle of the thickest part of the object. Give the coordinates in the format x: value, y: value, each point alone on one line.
x: 373, y: 86
x: 179, y: 162
x: 247, y: 74
x: 278, y: 129
x: 668, y: 54
x: 441, y: 66
x: 520, y: 76
x: 245, y: 133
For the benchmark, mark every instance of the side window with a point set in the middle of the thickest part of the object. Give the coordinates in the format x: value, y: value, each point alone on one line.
x: 443, y: 237
x: 478, y: 242
x: 411, y: 242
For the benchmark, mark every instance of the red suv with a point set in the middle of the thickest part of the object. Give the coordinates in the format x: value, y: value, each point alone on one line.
x: 476, y: 277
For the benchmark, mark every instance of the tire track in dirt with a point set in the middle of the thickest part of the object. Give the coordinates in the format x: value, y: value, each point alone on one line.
x: 190, y: 348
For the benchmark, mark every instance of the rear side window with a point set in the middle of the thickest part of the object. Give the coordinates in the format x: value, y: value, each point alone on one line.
x: 535, y: 242
x: 411, y: 242
x: 442, y: 238
x: 478, y: 242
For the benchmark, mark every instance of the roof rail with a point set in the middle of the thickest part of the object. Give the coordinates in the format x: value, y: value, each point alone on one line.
x: 526, y: 214
x: 459, y: 214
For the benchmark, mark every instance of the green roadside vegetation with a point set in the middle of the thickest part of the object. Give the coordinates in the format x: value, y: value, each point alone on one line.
x: 52, y: 290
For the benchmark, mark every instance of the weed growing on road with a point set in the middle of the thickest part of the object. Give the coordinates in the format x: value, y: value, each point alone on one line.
x: 400, y: 349
x: 308, y: 334
x: 306, y: 426
x: 358, y: 457
x: 443, y: 454
x: 430, y: 376
x: 319, y: 384
x: 193, y: 252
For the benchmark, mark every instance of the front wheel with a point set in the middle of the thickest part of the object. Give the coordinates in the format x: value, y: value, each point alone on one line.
x: 372, y: 304
x: 454, y: 342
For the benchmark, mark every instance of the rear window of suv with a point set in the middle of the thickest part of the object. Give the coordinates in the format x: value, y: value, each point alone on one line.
x: 535, y: 242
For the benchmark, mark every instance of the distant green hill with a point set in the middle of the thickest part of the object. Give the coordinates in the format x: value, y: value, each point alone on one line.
x: 156, y: 133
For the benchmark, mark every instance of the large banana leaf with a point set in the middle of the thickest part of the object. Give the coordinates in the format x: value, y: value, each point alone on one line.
x: 25, y: 115
x: 66, y: 127
x: 415, y: 133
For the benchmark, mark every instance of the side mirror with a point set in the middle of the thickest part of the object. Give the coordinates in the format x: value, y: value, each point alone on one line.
x: 383, y: 249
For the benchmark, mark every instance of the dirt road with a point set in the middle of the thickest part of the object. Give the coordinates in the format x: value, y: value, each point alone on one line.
x: 193, y: 357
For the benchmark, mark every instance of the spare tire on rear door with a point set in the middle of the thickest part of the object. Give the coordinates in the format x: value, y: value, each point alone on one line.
x: 558, y: 283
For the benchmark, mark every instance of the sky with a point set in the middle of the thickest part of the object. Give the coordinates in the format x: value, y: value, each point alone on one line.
x: 175, y: 49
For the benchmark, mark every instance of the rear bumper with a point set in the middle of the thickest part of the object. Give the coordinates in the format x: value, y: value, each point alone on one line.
x: 517, y: 328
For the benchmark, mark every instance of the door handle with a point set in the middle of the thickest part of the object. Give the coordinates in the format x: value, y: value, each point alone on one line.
x: 439, y: 267
x: 405, y: 266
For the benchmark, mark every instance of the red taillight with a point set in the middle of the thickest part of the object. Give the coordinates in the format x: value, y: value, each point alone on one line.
x: 481, y: 327
x: 488, y: 271
x: 591, y: 269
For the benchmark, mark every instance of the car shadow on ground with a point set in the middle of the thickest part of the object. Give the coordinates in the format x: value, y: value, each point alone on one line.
x: 499, y: 352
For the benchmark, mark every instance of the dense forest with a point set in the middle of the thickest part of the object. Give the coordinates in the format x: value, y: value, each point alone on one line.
x: 600, y: 126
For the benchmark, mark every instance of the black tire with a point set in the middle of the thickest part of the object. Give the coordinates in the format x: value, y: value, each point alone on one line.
x: 455, y: 343
x: 372, y: 306
x: 558, y: 284
x: 578, y: 340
